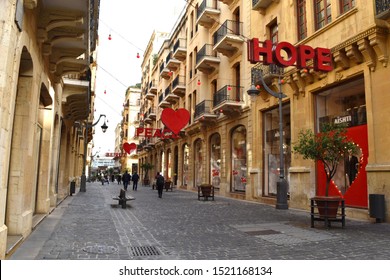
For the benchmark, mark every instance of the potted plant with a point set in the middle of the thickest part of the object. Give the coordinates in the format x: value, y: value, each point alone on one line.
x: 327, y: 147
x: 146, y: 167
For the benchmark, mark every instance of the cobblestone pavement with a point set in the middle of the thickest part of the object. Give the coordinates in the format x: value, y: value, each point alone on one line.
x: 90, y: 225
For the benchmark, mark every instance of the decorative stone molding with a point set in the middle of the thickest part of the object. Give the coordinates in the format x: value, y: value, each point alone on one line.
x: 30, y: 4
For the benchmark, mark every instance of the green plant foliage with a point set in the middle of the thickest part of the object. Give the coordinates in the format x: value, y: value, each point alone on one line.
x: 328, y: 146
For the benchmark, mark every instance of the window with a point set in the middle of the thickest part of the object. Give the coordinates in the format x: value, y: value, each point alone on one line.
x: 301, y: 14
x: 346, y: 5
x: 239, y: 170
x: 273, y: 28
x: 323, y: 14
x: 215, y: 160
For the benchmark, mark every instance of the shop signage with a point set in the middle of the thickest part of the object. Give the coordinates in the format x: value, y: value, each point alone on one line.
x: 301, y: 56
x: 155, y: 133
x: 343, y: 119
x: 114, y: 155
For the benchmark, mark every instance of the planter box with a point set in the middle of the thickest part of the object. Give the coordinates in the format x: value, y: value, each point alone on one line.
x: 206, y: 191
x: 329, y: 209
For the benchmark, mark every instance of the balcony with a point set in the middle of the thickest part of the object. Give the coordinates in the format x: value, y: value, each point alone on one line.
x: 228, y: 100
x: 207, y: 60
x: 179, y: 86
x: 180, y: 49
x: 269, y: 73
x: 229, y: 39
x: 382, y: 9
x: 147, y: 118
x: 204, y: 112
x: 170, y: 97
x: 149, y: 95
x: 165, y: 73
x: 152, y: 113
x: 171, y: 62
x: 149, y: 143
x: 262, y: 5
x: 153, y: 87
x: 208, y: 13
x: 162, y: 103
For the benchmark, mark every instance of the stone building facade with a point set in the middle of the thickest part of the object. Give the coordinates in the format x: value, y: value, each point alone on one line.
x: 46, y: 99
x: 231, y: 141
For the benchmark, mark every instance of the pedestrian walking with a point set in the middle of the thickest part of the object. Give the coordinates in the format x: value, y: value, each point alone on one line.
x: 126, y: 178
x: 160, y: 184
x: 135, y: 179
x: 119, y: 179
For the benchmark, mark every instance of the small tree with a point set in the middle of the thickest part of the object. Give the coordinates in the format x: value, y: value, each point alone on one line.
x: 146, y: 167
x: 328, y: 146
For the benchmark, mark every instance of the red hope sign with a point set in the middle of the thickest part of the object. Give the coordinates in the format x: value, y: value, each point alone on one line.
x: 298, y: 56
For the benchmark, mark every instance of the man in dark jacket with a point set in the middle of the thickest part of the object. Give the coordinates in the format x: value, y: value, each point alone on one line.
x: 126, y: 178
x: 135, y: 179
x: 160, y: 184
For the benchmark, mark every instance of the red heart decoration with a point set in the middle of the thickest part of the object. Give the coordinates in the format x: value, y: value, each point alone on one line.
x: 175, y: 120
x: 129, y: 147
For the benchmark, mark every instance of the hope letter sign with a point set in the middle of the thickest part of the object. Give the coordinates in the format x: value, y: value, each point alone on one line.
x: 298, y: 56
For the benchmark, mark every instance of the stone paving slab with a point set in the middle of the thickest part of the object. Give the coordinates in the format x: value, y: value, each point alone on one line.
x: 178, y: 226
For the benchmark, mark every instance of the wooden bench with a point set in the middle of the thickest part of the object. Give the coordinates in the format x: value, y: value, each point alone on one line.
x: 122, y: 198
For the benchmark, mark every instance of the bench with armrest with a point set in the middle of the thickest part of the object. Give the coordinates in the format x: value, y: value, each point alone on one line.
x: 122, y: 198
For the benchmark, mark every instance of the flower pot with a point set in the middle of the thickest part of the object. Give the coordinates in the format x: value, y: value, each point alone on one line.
x: 327, y: 206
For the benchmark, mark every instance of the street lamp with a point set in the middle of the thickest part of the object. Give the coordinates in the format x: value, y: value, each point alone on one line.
x: 83, y: 182
x: 253, y: 92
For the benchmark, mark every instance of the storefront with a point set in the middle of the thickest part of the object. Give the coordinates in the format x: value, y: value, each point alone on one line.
x: 346, y: 103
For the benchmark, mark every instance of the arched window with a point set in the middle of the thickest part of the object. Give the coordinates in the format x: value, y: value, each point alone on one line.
x: 215, y: 160
x: 239, y: 169
x: 198, y: 162
x: 186, y: 164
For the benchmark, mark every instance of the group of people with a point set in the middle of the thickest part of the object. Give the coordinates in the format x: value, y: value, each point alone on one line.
x: 127, y: 178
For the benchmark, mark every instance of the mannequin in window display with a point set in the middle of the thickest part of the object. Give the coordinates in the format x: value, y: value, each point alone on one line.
x: 351, y: 167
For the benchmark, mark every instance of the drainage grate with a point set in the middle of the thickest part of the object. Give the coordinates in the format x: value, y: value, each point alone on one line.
x: 263, y: 232
x: 144, y: 251
x: 100, y: 249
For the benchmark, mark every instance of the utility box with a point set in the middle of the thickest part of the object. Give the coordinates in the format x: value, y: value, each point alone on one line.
x: 377, y: 207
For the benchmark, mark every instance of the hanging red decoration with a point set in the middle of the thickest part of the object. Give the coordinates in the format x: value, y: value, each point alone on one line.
x: 105, y: 91
x: 109, y: 36
x: 170, y: 73
x: 138, y: 55
x: 229, y: 88
x: 258, y: 86
x: 198, y: 82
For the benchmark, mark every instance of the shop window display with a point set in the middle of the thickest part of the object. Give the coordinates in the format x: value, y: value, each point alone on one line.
x: 239, y: 167
x: 272, y: 148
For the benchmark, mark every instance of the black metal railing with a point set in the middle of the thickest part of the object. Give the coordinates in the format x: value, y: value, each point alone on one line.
x: 180, y: 43
x: 229, y: 27
x: 205, y: 51
x: 152, y: 84
x: 169, y: 56
x: 228, y: 94
x: 160, y: 97
x: 204, y: 107
x: 162, y: 66
x: 167, y: 91
x: 206, y: 4
x: 382, y: 7
x: 179, y: 81
x: 266, y: 71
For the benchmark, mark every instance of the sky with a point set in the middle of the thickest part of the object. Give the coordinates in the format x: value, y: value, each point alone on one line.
x: 131, y: 24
